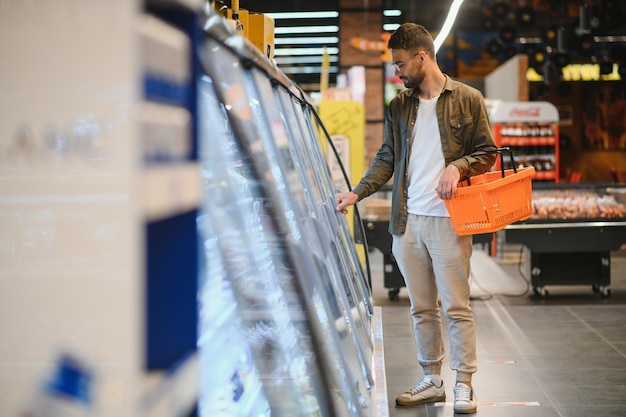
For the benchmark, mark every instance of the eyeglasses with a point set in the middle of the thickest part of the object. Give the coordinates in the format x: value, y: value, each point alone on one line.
x: 397, y: 66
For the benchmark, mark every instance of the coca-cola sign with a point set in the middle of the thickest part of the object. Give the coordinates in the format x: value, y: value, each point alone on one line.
x: 525, y: 113
x: 521, y: 111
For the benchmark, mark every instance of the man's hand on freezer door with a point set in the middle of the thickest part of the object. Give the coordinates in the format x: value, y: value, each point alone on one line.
x: 344, y: 200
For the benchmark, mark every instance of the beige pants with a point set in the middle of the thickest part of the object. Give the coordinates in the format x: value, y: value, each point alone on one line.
x: 435, y: 264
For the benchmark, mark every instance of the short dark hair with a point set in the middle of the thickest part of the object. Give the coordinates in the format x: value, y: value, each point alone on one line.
x: 412, y: 37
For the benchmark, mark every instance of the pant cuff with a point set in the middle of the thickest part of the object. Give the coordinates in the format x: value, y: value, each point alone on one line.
x: 432, y: 369
x: 463, y: 377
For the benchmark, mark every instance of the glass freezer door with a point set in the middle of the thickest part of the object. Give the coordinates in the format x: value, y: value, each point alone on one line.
x: 281, y: 297
x: 321, y: 203
x: 314, y: 134
x: 316, y: 228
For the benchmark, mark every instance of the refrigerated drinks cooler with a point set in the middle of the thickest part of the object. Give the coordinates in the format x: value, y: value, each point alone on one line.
x: 531, y: 130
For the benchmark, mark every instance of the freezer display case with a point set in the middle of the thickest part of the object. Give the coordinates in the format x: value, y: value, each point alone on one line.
x: 570, y: 236
x: 305, y: 318
x: 324, y: 242
x: 230, y: 384
x: 336, y: 180
x: 340, y: 258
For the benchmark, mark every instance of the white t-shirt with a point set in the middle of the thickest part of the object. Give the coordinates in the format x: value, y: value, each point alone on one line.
x: 426, y: 163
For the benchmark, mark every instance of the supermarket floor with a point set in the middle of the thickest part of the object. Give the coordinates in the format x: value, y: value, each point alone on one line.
x: 559, y: 356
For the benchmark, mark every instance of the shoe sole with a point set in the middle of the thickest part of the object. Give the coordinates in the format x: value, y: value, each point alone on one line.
x: 465, y: 411
x: 424, y: 401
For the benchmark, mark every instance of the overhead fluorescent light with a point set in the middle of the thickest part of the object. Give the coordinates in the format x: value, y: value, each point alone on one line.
x: 609, y: 39
x: 392, y: 13
x: 304, y: 41
x: 306, y: 29
x: 314, y: 59
x: 308, y: 70
x: 305, y: 51
x: 390, y: 27
x: 529, y: 39
x: 447, y: 26
x: 303, y: 15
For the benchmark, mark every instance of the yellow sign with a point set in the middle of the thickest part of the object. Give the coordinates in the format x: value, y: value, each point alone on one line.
x: 347, y: 118
x: 579, y: 72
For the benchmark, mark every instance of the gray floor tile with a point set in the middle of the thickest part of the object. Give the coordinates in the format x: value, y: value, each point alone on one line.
x: 560, y: 356
x: 580, y: 393
x: 591, y: 410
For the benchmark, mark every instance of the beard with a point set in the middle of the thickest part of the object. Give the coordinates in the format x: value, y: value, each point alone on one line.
x: 413, y: 80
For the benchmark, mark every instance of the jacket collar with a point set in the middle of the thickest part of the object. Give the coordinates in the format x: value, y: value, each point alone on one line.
x: 448, y: 86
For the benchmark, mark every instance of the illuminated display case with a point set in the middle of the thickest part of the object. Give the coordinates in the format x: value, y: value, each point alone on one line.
x: 570, y: 236
x: 531, y: 130
x: 268, y: 204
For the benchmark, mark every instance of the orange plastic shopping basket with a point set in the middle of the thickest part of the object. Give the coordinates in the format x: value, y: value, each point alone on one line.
x: 489, y: 202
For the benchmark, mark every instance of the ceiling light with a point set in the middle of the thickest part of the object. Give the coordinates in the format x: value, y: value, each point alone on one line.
x: 306, y: 29
x: 308, y: 69
x: 312, y: 59
x: 392, y: 13
x: 305, y: 51
x: 307, y: 41
x: 609, y: 39
x: 303, y: 15
x: 447, y: 26
x: 525, y: 40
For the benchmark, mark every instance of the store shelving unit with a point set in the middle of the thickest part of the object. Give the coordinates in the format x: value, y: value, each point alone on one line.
x: 100, y: 189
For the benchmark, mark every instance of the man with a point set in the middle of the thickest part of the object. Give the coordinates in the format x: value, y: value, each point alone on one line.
x: 436, y: 134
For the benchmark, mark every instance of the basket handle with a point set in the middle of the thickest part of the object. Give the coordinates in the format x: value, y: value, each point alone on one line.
x: 500, y: 151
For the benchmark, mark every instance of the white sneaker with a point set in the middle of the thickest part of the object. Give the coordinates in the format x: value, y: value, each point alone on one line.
x: 424, y: 392
x: 464, y: 399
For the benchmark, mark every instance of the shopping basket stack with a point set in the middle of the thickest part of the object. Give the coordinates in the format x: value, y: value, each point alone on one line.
x: 489, y: 202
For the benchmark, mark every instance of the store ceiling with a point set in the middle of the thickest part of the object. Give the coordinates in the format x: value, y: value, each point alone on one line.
x: 430, y: 13
x: 515, y: 24
x: 608, y: 15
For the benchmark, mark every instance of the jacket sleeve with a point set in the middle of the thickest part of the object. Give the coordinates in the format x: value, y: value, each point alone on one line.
x: 382, y: 167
